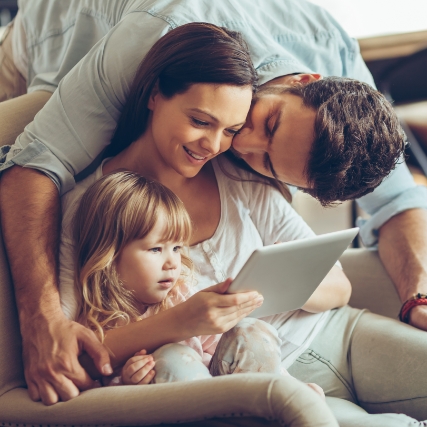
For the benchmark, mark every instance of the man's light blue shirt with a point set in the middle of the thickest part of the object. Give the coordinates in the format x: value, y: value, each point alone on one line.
x: 87, y: 52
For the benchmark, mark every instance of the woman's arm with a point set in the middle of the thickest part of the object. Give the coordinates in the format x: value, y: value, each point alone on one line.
x: 333, y: 292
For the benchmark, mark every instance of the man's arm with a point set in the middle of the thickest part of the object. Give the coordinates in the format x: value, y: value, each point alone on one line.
x: 403, y: 251
x: 30, y: 212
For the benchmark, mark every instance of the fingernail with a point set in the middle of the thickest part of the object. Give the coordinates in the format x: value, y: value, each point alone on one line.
x: 107, y: 369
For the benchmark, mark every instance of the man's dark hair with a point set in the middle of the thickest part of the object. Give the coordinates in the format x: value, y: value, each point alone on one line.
x: 358, y: 138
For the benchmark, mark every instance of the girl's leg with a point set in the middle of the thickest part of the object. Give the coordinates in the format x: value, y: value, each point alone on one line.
x: 368, y: 360
x: 177, y: 362
x: 251, y: 346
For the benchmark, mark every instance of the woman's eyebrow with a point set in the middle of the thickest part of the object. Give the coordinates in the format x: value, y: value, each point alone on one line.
x: 198, y: 110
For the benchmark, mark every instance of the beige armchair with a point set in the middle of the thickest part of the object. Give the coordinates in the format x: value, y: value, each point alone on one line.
x: 234, y: 400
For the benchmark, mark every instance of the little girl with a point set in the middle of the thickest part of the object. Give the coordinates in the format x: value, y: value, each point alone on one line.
x: 129, y: 234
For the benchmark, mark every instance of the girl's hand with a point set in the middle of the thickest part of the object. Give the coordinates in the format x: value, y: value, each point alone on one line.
x: 211, y: 311
x: 138, y: 369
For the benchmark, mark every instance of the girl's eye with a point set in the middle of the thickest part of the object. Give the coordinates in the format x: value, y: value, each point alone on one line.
x: 177, y: 248
x: 199, y: 122
x: 155, y: 250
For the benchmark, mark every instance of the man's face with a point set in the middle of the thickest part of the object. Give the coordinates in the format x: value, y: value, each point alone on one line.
x: 278, y: 135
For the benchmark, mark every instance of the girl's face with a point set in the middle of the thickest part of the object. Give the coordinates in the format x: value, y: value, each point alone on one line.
x: 150, y: 267
x: 191, y: 128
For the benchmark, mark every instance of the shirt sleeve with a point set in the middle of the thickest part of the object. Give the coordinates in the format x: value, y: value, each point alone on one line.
x: 275, y: 219
x: 78, y: 121
x: 397, y: 193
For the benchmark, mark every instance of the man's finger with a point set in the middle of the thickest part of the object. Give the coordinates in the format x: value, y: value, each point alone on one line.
x: 66, y: 389
x: 98, y: 353
x: 80, y: 380
x: 47, y: 393
x: 33, y: 390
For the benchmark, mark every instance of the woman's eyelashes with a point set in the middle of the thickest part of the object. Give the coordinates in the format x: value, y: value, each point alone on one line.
x: 233, y: 132
x: 201, y: 123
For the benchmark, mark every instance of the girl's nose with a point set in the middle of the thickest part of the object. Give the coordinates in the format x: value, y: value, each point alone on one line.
x: 171, y: 262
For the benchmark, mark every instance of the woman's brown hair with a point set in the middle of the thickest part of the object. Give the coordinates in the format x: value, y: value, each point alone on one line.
x: 192, y: 53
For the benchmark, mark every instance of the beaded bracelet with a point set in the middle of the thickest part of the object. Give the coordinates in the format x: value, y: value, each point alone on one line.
x: 418, y: 299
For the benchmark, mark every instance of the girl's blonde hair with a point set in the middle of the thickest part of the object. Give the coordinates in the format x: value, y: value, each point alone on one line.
x: 114, y: 211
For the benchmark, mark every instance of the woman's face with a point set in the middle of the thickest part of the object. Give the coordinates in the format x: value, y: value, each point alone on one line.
x: 191, y: 128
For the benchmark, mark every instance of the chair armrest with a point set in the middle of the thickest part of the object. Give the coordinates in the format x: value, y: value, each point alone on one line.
x: 372, y: 287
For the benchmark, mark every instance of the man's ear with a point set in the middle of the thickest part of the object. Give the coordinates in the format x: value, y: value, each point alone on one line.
x: 303, y: 79
x: 153, y: 96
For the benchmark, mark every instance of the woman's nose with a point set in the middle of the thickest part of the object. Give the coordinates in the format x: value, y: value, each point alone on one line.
x: 213, y: 143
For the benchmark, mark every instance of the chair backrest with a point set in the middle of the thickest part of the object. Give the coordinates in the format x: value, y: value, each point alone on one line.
x: 11, y: 368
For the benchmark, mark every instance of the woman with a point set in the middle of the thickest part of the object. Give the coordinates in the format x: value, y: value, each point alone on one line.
x: 175, y: 122
x: 186, y: 113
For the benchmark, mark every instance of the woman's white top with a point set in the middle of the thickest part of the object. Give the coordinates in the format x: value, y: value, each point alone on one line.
x: 252, y: 215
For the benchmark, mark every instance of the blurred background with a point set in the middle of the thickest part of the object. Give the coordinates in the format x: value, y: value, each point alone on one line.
x: 392, y: 35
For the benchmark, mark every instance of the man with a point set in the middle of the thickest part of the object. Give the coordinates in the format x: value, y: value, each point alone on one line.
x: 291, y: 43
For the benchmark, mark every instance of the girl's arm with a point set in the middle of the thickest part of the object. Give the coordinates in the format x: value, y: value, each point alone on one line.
x: 333, y: 292
x: 207, y: 312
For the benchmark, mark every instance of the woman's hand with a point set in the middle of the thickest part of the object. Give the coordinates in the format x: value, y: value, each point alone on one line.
x: 211, y: 311
x: 139, y: 369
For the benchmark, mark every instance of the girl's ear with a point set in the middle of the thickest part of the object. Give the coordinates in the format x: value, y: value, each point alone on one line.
x: 153, y: 96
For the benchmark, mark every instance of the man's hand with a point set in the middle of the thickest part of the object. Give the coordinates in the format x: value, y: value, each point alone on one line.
x: 403, y: 251
x: 50, y: 350
x: 418, y: 317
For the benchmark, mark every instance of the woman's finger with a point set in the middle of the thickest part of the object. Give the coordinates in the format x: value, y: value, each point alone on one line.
x: 234, y: 300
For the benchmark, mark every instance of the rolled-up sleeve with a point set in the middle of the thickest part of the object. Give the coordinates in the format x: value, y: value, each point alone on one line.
x: 78, y: 121
x: 397, y: 193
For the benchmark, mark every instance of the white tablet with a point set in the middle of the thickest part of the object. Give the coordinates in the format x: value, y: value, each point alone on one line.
x: 286, y: 274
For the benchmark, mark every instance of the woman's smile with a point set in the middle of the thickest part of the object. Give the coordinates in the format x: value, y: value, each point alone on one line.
x: 195, y: 156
